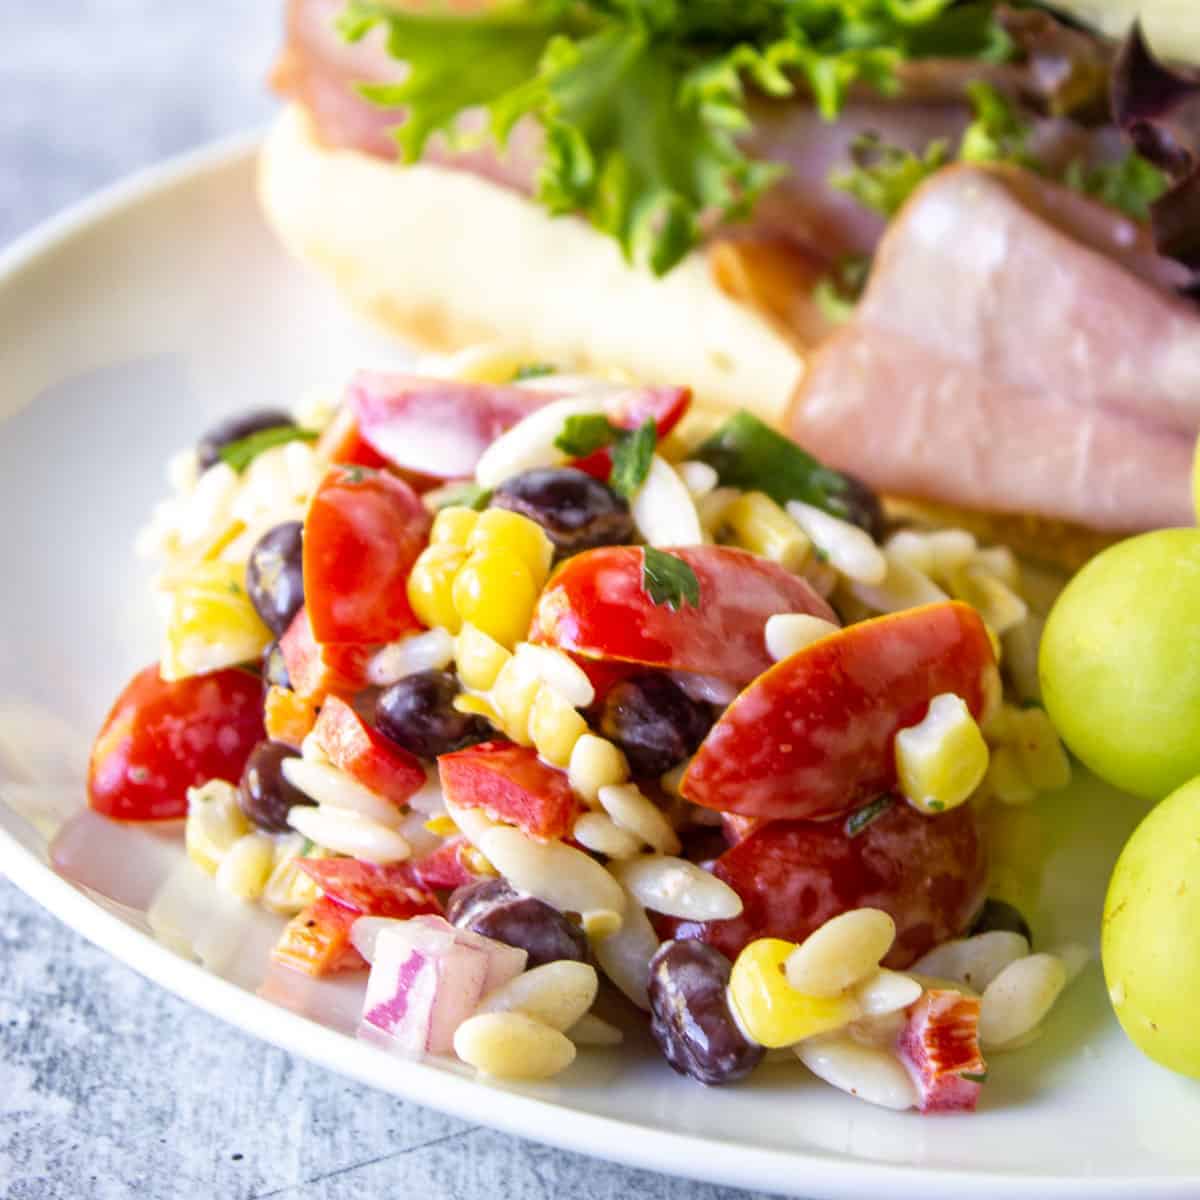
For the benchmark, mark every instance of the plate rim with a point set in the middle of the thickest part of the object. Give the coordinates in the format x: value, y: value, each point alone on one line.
x: 627, y: 1142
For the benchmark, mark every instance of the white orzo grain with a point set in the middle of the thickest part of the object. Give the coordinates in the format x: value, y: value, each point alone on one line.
x: 513, y: 1046
x: 557, y: 993
x: 678, y: 888
x: 564, y: 675
x: 429, y: 651
x: 598, y: 832
x: 870, y: 1073
x: 663, y: 509
x: 975, y: 961
x: 849, y: 548
x: 887, y: 992
x: 625, y: 956
x: 630, y: 809
x: 333, y: 788
x: 843, y: 952
x: 591, y: 1030
x: 698, y: 477
x: 787, y: 633
x: 349, y: 833
x: 1017, y: 1000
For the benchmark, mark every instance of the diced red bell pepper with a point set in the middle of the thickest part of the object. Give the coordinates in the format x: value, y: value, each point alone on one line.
x: 341, y: 442
x: 630, y: 410
x: 316, y: 671
x: 386, y: 769
x: 597, y: 607
x: 369, y: 889
x: 445, y: 868
x: 928, y: 873
x: 513, y: 785
x: 317, y: 940
x: 439, y: 427
x: 939, y: 1046
x: 814, y: 737
x: 162, y: 738
x: 362, y: 534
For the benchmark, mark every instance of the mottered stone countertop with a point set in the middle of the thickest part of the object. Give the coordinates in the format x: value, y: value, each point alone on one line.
x: 109, y: 1086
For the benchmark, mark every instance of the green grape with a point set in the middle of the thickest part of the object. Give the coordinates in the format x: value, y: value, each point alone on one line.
x: 1120, y: 662
x: 1196, y: 481
x: 1149, y: 944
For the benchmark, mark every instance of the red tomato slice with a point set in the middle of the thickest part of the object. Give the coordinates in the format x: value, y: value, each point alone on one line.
x: 377, y: 763
x: 369, y: 889
x: 362, y: 534
x: 317, y: 940
x: 513, y: 785
x: 316, y: 671
x: 162, y: 738
x: 443, y: 869
x: 928, y: 873
x: 813, y: 737
x: 630, y: 410
x: 341, y: 442
x: 596, y: 606
x: 439, y: 427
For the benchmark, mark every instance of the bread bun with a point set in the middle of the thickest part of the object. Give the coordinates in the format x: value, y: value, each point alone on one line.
x: 445, y: 259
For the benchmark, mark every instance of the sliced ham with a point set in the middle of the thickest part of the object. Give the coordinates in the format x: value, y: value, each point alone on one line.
x: 998, y: 362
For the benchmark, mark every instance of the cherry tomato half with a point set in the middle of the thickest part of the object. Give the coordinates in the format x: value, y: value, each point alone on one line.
x: 162, y: 738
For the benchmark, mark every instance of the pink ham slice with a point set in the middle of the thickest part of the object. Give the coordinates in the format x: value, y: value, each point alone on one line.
x: 999, y: 361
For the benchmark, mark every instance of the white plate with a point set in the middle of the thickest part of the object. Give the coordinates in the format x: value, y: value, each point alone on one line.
x: 126, y: 328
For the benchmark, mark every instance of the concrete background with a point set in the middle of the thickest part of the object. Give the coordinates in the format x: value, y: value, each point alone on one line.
x: 109, y: 1087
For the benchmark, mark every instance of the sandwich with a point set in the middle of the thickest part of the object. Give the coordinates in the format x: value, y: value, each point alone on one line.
x: 950, y: 248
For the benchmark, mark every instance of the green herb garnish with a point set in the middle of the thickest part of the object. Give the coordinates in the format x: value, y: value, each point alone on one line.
x: 749, y: 455
x: 240, y: 454
x: 643, y: 103
x: 632, y: 454
x: 882, y: 177
x: 997, y: 133
x: 860, y: 818
x: 586, y: 433
x: 837, y: 294
x: 668, y: 580
x: 972, y: 1077
x: 533, y: 370
x: 1130, y: 184
x: 463, y: 495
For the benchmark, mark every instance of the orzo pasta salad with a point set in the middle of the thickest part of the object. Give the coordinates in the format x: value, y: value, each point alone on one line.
x: 508, y: 687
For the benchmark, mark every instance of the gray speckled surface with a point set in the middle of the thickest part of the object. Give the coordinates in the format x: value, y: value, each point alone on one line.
x: 110, y: 1087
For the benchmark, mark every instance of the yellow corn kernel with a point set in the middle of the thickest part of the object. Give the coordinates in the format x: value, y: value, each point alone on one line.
x: 999, y: 606
x: 244, y: 871
x: 758, y: 524
x: 452, y: 526
x: 554, y: 726
x: 442, y: 826
x: 211, y: 622
x: 770, y: 1011
x: 214, y: 823
x: 476, y: 706
x: 478, y: 658
x: 431, y: 586
x: 496, y: 592
x: 1007, y: 780
x: 512, y: 696
x: 595, y: 763
x: 476, y: 861
x: 289, y: 890
x: 498, y: 529
x: 1041, y: 753
x: 943, y: 759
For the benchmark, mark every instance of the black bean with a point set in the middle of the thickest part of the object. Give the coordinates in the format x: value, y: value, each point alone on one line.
x: 275, y: 575
x: 690, y: 1016
x: 493, y: 909
x: 263, y: 794
x: 209, y: 447
x: 999, y: 914
x: 577, y: 511
x: 861, y: 506
x: 654, y: 722
x: 418, y: 713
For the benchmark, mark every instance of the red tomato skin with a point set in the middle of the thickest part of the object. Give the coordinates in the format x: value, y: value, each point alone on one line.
x: 513, y: 785
x: 364, y: 753
x: 317, y: 942
x: 162, y: 738
x: 814, y: 736
x: 630, y: 410
x: 369, y: 889
x: 442, y: 869
x: 398, y: 414
x: 362, y: 534
x: 341, y: 442
x: 316, y: 671
x: 595, y: 607
x: 928, y: 873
